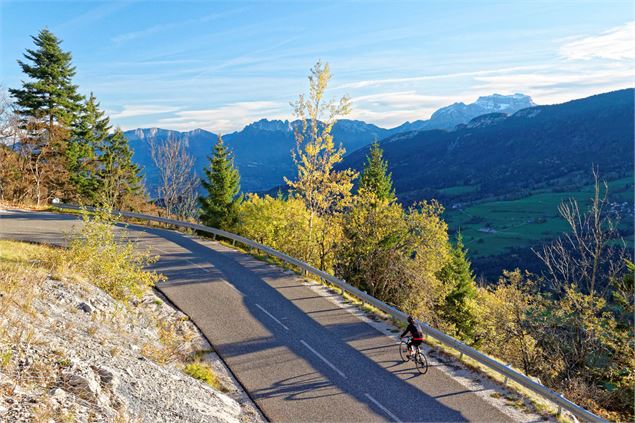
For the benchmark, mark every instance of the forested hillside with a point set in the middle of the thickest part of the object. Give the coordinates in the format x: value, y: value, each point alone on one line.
x: 495, y: 155
x: 502, y: 178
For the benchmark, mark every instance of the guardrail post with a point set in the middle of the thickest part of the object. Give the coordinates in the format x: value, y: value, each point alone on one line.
x: 560, y: 405
x: 233, y: 242
x: 506, y: 378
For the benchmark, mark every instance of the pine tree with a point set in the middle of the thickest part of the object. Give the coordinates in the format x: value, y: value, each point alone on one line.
x: 222, y: 183
x: 458, y: 308
x: 119, y: 178
x: 47, y: 106
x: 375, y: 177
x: 85, y: 150
x: 50, y: 96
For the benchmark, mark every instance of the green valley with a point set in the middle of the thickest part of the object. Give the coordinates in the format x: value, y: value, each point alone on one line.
x: 494, y: 227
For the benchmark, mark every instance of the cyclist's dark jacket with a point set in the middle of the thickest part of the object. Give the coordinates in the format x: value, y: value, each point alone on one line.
x: 417, y: 335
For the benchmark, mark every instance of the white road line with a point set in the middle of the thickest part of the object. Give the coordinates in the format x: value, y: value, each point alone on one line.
x: 204, y: 269
x: 385, y: 410
x: 232, y: 287
x: 271, y: 315
x: 187, y: 260
x: 324, y: 359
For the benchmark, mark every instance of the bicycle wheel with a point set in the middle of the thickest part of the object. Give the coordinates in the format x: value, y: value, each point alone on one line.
x: 403, y: 350
x: 422, y: 362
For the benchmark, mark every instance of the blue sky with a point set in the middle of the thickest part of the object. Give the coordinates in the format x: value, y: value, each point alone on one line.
x: 220, y: 65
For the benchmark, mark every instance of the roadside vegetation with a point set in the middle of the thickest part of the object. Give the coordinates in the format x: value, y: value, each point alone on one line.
x: 570, y: 326
x: 57, y: 325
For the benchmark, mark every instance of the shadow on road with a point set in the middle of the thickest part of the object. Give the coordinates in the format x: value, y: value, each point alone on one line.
x: 363, y: 375
x: 362, y: 380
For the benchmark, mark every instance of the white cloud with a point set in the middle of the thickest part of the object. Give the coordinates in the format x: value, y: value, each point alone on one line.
x: 227, y: 118
x: 93, y: 15
x: 423, y: 78
x: 561, y: 82
x: 141, y: 110
x: 394, y: 108
x: 614, y: 44
x: 575, y: 68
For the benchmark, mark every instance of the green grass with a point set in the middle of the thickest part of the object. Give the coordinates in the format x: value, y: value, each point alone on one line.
x: 459, y: 189
x: 493, y: 227
x: 204, y: 372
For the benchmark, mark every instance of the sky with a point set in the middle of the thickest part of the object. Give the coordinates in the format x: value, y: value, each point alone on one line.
x: 221, y: 65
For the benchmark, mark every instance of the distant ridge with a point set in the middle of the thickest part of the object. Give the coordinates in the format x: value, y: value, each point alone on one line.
x: 262, y: 148
x: 501, y: 155
x: 460, y: 113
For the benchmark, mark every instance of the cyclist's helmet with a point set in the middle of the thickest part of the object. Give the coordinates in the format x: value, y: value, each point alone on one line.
x: 410, y: 319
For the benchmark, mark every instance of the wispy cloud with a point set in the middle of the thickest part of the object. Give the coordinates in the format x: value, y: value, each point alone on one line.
x: 561, y: 83
x: 614, y: 44
x: 129, y: 36
x: 390, y: 109
x: 129, y: 111
x: 93, y: 15
x: 226, y: 118
x: 423, y: 78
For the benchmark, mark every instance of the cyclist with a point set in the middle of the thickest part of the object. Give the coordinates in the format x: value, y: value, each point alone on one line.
x: 417, y: 336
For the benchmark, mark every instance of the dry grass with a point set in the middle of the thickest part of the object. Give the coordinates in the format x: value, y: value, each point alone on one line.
x: 170, y: 346
x: 24, y: 269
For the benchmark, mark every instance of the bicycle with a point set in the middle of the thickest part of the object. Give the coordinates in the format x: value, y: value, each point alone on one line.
x: 421, y: 362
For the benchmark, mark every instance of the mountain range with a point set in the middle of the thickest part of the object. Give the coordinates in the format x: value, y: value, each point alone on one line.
x: 500, y: 174
x: 262, y: 149
x: 506, y: 156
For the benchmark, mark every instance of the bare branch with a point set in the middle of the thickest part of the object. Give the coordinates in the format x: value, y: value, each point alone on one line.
x: 179, y: 183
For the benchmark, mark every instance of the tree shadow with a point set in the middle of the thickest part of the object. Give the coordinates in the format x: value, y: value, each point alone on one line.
x: 356, y: 386
x: 363, y: 376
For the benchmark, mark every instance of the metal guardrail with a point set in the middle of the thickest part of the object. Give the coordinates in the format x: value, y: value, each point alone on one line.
x: 449, y: 341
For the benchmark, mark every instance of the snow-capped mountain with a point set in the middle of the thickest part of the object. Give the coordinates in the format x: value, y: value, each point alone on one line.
x: 262, y: 149
x: 460, y: 113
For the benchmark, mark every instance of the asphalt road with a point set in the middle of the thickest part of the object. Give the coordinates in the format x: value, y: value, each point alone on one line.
x: 301, y: 357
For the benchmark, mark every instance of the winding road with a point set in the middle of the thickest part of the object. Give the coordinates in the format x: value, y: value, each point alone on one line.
x: 300, y: 356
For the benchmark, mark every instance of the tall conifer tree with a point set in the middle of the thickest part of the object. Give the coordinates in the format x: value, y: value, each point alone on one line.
x: 375, y: 177
x: 119, y: 177
x: 222, y: 183
x: 85, y: 150
x: 458, y: 308
x: 47, y: 105
x: 50, y: 95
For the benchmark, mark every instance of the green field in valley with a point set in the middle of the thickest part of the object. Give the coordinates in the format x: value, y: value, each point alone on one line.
x: 459, y: 189
x: 493, y: 227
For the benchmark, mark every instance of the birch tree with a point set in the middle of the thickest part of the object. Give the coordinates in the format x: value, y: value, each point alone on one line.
x: 324, y: 190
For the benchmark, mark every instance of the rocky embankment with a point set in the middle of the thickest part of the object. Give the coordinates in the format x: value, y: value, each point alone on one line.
x: 70, y: 352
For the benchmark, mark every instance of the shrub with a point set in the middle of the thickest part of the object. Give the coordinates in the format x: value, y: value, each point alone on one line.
x: 204, y: 372
x: 110, y: 260
x: 278, y: 223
